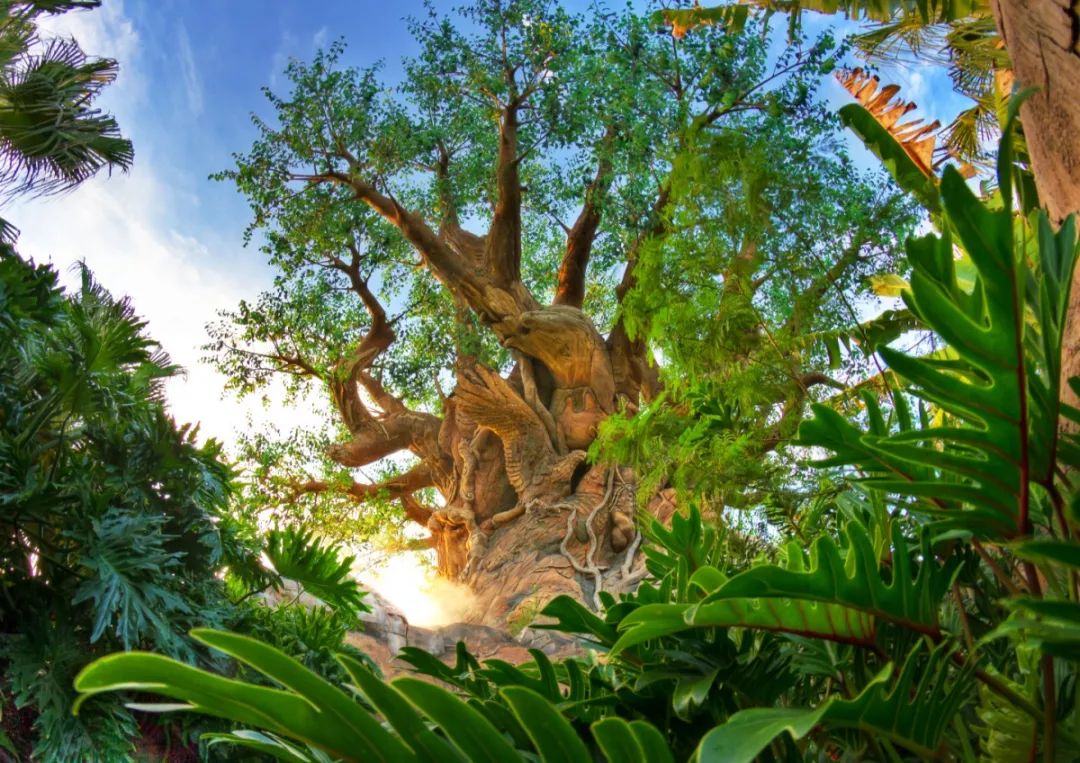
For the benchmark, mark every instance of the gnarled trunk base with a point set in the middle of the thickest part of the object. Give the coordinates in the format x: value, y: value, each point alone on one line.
x: 575, y: 546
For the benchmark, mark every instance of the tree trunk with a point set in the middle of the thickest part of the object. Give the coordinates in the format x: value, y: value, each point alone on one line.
x: 525, y: 517
x: 1043, y: 41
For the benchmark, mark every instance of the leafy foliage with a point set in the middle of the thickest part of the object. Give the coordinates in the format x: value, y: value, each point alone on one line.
x: 298, y: 555
x: 117, y: 522
x: 762, y: 322
x: 51, y: 137
x: 700, y: 147
x: 960, y: 36
x: 110, y: 508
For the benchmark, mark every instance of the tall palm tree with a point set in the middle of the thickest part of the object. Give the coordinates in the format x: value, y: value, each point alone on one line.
x: 51, y: 136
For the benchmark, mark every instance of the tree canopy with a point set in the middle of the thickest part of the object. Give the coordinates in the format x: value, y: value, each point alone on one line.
x: 525, y: 201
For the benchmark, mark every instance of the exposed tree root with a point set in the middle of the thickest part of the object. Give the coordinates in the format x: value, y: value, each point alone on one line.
x: 590, y: 567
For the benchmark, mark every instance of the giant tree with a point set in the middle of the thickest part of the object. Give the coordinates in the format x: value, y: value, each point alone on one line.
x: 453, y: 254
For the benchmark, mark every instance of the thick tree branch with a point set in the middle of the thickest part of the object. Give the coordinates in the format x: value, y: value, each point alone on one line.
x: 579, y: 240
x: 467, y: 244
x: 504, y: 236
x: 387, y: 402
x: 399, y: 488
x: 347, y: 375
x: 410, y: 430
x: 493, y: 302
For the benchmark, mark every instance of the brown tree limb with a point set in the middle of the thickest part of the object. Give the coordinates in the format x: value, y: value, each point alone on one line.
x: 493, y: 302
x: 399, y: 488
x: 570, y: 289
x: 503, y: 245
x: 409, y: 430
x: 386, y: 401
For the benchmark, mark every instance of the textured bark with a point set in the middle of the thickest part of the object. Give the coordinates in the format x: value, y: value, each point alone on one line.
x: 522, y: 517
x: 1042, y: 38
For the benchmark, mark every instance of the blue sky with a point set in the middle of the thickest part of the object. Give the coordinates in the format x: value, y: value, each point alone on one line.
x: 191, y: 73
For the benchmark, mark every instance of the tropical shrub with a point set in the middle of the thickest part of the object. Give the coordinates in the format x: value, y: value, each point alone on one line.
x: 117, y: 524
x: 109, y: 509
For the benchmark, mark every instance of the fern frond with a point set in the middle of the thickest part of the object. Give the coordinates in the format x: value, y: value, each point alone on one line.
x: 299, y: 556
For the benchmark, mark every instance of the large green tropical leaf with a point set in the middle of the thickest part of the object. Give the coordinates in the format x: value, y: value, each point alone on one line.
x: 914, y: 709
x: 832, y: 595
x: 309, y: 710
x: 907, y: 174
x: 399, y: 713
x: 634, y: 742
x: 551, y: 734
x: 976, y: 476
x: 312, y: 721
x: 855, y: 580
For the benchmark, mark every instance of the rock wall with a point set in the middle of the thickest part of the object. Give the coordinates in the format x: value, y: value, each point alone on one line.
x: 386, y: 632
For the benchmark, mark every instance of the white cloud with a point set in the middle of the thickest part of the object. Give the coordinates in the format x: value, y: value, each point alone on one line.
x: 286, y: 49
x: 121, y: 227
x: 318, y: 40
x: 189, y: 70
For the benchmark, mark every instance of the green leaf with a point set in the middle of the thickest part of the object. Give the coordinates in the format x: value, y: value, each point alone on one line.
x: 574, y: 617
x: 652, y: 742
x: 274, y: 710
x: 976, y: 475
x: 1043, y: 550
x: 618, y: 742
x: 298, y: 555
x: 650, y: 622
x: 551, y: 734
x: 691, y: 692
x: 883, y: 145
x: 337, y: 707
x: 267, y: 744
x: 914, y: 711
x: 910, y: 598
x: 748, y: 732
x: 463, y: 725
x: 409, y: 724
x: 787, y: 615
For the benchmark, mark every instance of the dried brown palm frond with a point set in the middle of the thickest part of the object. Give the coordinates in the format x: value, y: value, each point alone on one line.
x: 916, y: 138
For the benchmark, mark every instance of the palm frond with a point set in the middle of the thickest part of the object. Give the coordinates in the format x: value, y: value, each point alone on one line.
x: 51, y: 138
x: 917, y: 139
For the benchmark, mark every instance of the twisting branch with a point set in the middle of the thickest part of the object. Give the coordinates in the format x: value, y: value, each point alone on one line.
x: 346, y: 376
x: 492, y: 301
x: 414, y: 431
x: 590, y: 567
